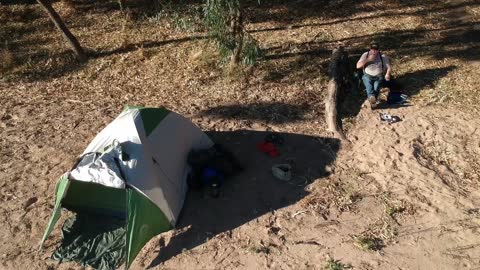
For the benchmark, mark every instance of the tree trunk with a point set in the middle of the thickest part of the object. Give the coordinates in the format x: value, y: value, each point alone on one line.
x: 339, y: 68
x: 236, y: 28
x: 331, y: 113
x: 65, y: 32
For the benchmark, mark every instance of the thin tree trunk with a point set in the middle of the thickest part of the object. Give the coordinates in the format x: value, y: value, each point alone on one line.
x: 335, y: 89
x: 121, y: 3
x: 64, y: 30
x: 236, y: 28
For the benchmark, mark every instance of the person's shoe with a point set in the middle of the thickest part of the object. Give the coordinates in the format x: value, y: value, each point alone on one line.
x: 373, y: 102
x: 384, y: 92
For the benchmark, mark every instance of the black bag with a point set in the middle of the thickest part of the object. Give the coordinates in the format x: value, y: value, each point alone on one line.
x: 217, y: 158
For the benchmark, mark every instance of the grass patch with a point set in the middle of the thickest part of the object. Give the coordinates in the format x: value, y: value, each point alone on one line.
x: 333, y: 264
x: 259, y: 249
x: 391, y: 211
x: 369, y: 243
x: 342, y: 195
x: 377, y: 235
x: 394, y: 208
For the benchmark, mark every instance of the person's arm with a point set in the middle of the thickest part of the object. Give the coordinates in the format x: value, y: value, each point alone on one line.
x: 362, y: 61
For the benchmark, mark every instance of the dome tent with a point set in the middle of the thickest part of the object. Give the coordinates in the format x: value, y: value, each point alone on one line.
x: 134, y: 170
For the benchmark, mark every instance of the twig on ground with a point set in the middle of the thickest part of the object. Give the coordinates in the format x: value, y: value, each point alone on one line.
x: 75, y: 101
x: 308, y: 242
x: 299, y: 213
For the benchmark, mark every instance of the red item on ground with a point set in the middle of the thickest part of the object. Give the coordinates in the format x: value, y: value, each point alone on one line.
x: 268, y: 148
x: 274, y: 153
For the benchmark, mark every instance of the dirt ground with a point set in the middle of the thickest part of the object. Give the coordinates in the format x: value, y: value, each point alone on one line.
x: 399, y: 196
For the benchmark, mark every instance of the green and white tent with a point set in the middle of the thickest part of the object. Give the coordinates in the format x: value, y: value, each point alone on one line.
x: 135, y: 169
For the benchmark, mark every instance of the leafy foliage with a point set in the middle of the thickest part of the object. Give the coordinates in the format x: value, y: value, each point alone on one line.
x: 224, y: 20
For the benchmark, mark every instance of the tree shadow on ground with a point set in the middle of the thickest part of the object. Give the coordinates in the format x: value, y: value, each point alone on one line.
x: 448, y: 31
x: 303, y: 61
x: 144, y: 44
x: 138, y: 9
x: 300, y: 61
x: 92, y: 6
x: 47, y: 65
x: 401, y: 43
x: 297, y: 63
x: 289, y: 17
x: 31, y: 59
x: 292, y: 61
x: 274, y: 112
x: 254, y: 191
x: 293, y: 14
x: 15, y: 27
x: 18, y: 2
x: 290, y: 12
x: 413, y: 82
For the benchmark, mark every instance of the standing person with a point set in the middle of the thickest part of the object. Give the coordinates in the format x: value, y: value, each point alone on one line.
x: 376, y: 69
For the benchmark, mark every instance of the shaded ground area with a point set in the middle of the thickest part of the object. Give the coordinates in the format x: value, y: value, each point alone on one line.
x: 255, y: 191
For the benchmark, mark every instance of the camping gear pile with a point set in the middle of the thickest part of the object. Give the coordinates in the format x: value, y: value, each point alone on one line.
x: 128, y: 186
x: 210, y: 168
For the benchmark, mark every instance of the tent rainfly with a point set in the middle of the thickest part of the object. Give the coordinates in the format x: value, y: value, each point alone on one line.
x: 134, y: 171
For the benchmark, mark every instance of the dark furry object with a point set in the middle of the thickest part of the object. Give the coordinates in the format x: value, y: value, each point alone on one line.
x: 394, y: 85
x: 217, y: 158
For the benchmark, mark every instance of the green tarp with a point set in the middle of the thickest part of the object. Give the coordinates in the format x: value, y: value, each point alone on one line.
x: 105, y: 240
x: 93, y: 240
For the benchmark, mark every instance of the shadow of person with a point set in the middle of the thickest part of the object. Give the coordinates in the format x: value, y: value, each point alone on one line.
x: 252, y: 192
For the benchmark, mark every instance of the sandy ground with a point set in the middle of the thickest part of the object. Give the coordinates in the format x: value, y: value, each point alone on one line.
x: 400, y: 196
x: 410, y: 187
